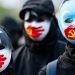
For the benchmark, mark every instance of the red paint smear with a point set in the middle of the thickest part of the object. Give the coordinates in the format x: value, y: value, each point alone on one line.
x: 36, y: 32
x: 2, y: 59
x: 69, y: 32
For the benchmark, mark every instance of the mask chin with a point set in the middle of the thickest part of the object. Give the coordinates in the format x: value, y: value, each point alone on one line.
x: 65, y: 34
x: 5, y: 58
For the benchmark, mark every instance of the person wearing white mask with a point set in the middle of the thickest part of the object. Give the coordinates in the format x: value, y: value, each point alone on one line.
x: 6, y: 61
x: 65, y: 64
x: 40, y: 30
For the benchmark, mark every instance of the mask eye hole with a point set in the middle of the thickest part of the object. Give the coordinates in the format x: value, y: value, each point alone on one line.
x: 40, y: 19
x: 1, y: 46
x: 32, y: 18
x: 29, y: 20
x: 68, y: 20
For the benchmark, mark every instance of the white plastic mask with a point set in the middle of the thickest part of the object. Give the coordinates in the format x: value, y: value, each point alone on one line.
x: 37, y: 28
x: 5, y: 50
x: 66, y: 20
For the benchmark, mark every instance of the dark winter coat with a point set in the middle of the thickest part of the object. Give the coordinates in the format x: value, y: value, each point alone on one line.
x: 65, y: 64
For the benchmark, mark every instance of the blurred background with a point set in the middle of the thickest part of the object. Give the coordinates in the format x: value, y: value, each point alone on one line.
x: 10, y: 8
x: 9, y: 18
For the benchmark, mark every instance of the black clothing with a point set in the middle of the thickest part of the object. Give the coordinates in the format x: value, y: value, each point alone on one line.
x: 66, y: 62
x: 33, y: 56
x: 66, y: 65
x: 43, y: 71
x: 39, y: 6
x: 29, y: 59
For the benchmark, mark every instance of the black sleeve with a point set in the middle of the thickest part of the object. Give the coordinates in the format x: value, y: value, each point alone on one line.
x: 42, y: 71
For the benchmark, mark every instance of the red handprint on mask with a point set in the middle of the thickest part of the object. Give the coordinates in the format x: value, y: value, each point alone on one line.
x: 35, y: 31
x: 2, y: 59
x: 70, y: 32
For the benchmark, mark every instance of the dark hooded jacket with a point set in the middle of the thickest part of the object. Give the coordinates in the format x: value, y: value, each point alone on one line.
x: 28, y: 60
x: 66, y: 62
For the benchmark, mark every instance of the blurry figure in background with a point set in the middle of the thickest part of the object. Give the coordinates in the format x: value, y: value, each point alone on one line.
x: 65, y: 64
x: 41, y: 37
x: 16, y: 31
x: 6, y: 61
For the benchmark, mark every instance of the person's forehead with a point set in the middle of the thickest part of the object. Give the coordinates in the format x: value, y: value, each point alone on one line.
x: 68, y: 5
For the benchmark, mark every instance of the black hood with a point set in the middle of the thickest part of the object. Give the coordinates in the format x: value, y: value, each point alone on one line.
x: 39, y: 6
x: 47, y: 45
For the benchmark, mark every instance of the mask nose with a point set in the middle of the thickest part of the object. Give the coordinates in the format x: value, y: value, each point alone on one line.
x: 34, y: 24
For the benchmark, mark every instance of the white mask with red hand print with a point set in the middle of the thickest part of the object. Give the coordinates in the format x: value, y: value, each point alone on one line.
x: 5, y: 50
x: 36, y: 27
x: 66, y: 20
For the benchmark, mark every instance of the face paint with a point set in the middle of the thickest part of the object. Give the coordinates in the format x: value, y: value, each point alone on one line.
x: 66, y: 20
x: 37, y: 29
x: 5, y: 50
x: 35, y: 32
x: 2, y: 60
x: 70, y: 32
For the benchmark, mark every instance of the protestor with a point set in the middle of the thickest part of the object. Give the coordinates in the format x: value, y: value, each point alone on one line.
x: 65, y: 64
x: 6, y: 61
x: 40, y: 30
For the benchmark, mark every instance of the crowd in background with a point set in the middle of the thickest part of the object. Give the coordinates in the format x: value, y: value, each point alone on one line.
x: 36, y: 38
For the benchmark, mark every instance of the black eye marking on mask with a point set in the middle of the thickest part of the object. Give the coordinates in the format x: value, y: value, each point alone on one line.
x: 68, y: 20
x: 35, y: 17
x: 2, y: 46
x: 32, y: 17
x: 40, y: 19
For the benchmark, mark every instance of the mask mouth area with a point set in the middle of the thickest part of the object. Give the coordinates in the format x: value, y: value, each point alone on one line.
x: 2, y: 60
x: 34, y: 32
x: 70, y: 32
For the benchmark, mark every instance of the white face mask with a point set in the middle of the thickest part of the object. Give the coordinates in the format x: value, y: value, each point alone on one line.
x: 36, y: 28
x: 5, y: 50
x: 66, y: 20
